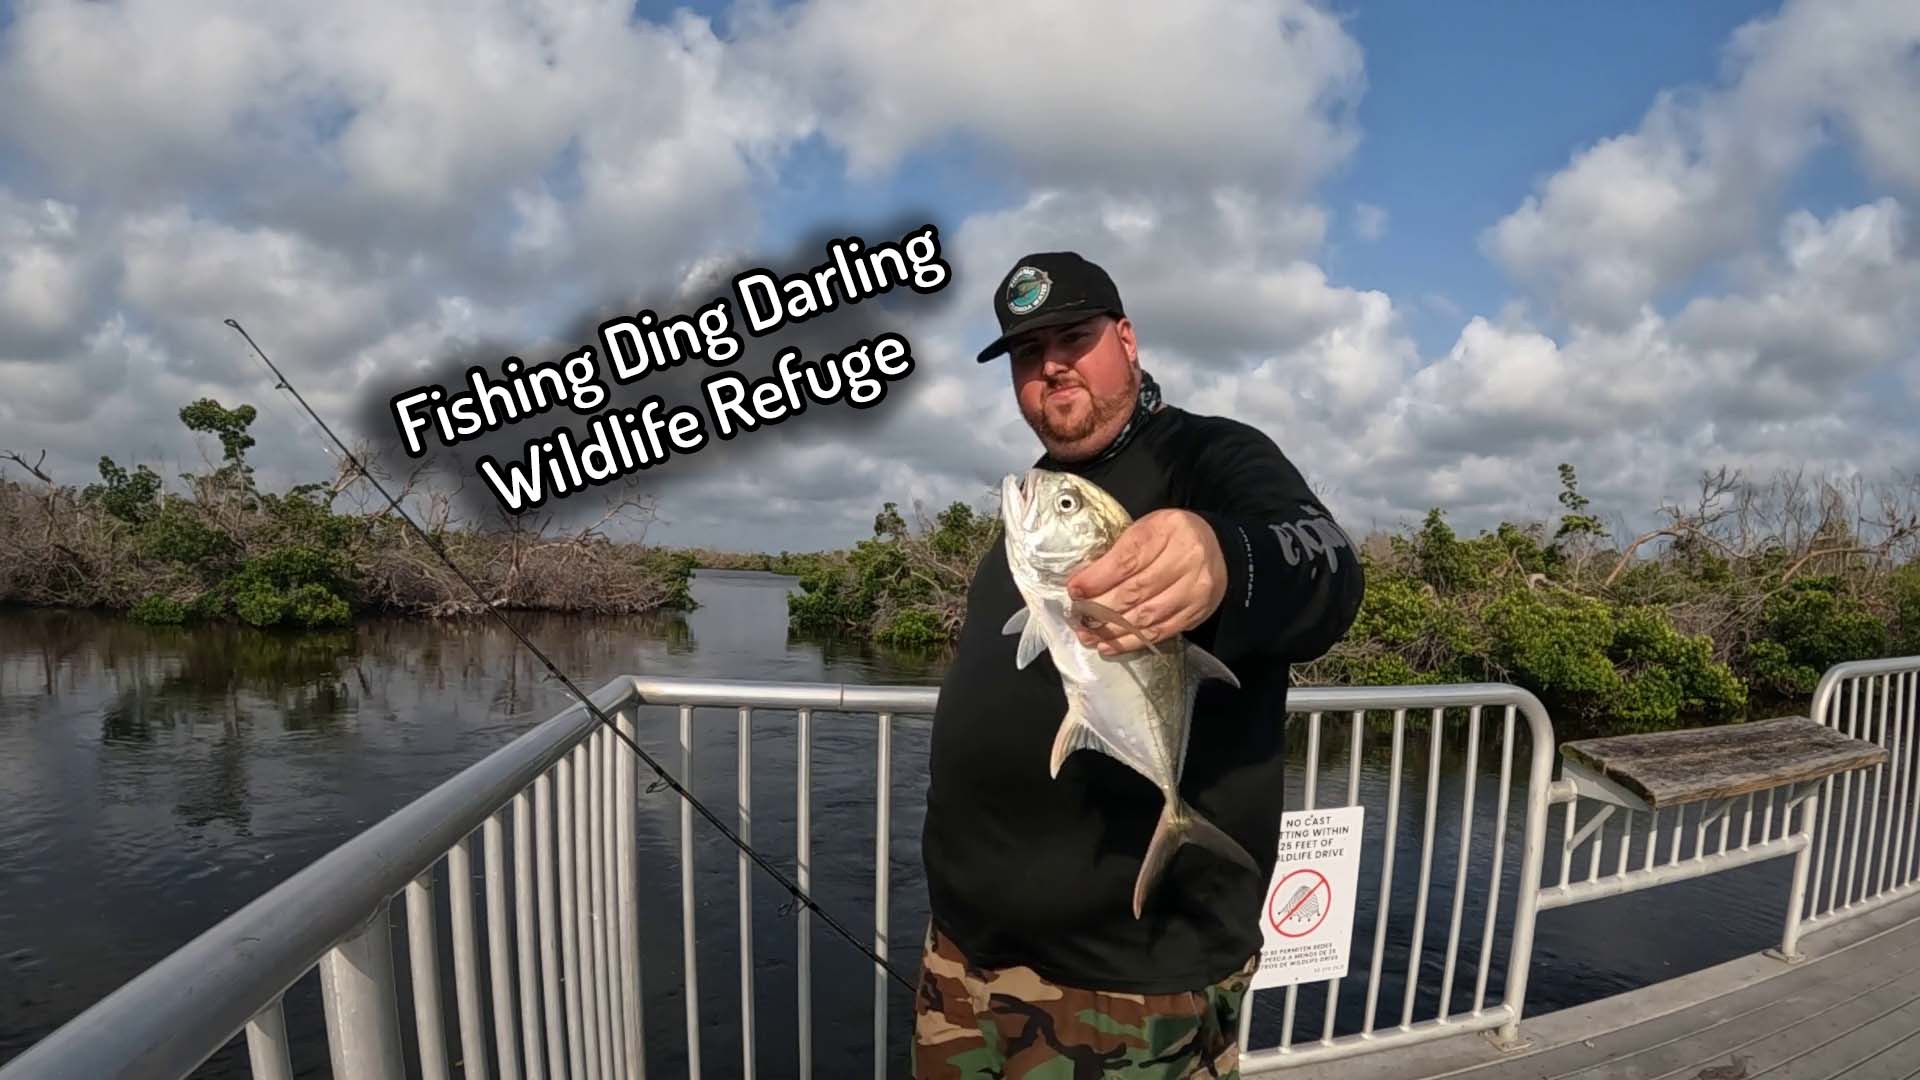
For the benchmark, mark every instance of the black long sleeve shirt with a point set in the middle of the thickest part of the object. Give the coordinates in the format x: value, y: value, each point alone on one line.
x: 1023, y: 868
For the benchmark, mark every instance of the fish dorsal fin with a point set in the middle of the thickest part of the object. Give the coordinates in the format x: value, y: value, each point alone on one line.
x: 1205, y: 665
x: 1076, y: 734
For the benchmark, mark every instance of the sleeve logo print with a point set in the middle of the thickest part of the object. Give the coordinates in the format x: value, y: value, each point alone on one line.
x: 1313, y: 537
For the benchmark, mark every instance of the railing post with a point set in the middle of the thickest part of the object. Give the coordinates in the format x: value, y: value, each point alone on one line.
x: 882, y: 851
x: 1527, y: 902
x: 267, y: 1043
x: 627, y: 893
x: 363, y: 1013
x: 422, y: 955
x: 744, y: 734
x: 1790, y: 938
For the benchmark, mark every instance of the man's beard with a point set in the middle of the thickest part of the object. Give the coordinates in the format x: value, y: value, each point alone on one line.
x: 1058, y: 433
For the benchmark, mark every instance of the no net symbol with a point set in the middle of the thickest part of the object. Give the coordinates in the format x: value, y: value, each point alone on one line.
x: 1299, y: 904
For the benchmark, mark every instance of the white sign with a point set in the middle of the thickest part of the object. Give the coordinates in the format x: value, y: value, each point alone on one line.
x: 1308, y: 914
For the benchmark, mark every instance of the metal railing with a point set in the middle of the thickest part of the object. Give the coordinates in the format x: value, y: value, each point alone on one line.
x: 333, y: 915
x: 1867, y: 842
x: 556, y: 905
x: 559, y: 990
x: 1713, y: 850
x: 885, y: 704
x: 1453, y: 715
x: 565, y: 991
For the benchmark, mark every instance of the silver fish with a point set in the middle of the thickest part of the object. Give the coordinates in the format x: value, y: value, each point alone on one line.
x: 1136, y: 707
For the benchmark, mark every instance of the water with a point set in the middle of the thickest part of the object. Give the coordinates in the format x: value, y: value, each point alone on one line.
x: 155, y: 780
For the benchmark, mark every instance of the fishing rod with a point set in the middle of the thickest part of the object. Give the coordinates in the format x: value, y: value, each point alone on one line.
x: 666, y: 778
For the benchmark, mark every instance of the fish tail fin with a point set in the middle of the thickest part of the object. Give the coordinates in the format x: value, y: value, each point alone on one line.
x: 1182, y: 824
x: 1215, y: 839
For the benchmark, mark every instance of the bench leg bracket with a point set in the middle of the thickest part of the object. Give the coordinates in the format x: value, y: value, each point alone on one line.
x: 1504, y: 1044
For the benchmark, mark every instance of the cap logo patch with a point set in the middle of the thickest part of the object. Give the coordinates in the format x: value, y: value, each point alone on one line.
x: 1027, y: 289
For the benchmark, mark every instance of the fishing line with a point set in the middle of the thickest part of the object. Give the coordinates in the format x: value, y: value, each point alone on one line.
x: 665, y: 778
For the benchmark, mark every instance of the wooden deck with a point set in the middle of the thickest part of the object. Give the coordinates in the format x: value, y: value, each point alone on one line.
x: 1850, y: 1009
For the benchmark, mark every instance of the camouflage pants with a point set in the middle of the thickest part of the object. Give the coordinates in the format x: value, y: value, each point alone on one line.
x: 1011, y: 1024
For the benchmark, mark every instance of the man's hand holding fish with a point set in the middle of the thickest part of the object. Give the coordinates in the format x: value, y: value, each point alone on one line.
x: 1165, y: 575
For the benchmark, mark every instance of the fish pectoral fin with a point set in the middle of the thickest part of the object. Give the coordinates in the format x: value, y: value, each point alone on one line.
x: 1076, y: 734
x: 1089, y: 608
x: 1205, y: 665
x: 1015, y: 622
x: 1032, y: 641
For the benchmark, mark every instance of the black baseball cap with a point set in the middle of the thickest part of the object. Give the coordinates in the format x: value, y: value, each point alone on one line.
x: 1050, y: 288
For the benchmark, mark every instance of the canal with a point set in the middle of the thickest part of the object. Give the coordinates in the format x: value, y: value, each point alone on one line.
x: 157, y: 779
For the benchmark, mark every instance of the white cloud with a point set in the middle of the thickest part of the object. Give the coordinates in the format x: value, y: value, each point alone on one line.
x: 1841, y: 302
x: 400, y: 127
x: 372, y: 188
x: 1753, y: 379
x: 191, y: 272
x: 343, y: 179
x: 1845, y: 300
x: 1440, y: 304
x: 1638, y: 213
x: 1211, y: 91
x: 42, y: 274
x: 1369, y: 221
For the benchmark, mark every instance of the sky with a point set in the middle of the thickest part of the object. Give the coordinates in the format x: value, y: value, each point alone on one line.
x: 1433, y: 251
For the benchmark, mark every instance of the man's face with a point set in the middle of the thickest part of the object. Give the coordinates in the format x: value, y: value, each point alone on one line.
x: 1076, y: 384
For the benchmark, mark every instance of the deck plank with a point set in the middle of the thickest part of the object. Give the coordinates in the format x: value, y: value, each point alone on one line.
x: 1728, y: 1020
x: 1843, y: 1054
x: 1829, y: 1033
x: 1765, y: 1039
x: 1851, y: 1009
x: 1898, y: 1060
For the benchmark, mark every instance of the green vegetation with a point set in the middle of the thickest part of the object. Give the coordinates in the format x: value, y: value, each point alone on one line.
x: 1752, y: 595
x: 787, y: 562
x: 902, y: 587
x: 222, y: 549
x: 1737, y: 603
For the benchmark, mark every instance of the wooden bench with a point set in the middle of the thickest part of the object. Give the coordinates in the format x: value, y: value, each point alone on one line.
x: 1663, y: 769
x: 1713, y: 766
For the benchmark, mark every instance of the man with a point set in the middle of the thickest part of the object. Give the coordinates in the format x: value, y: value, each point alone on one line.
x: 1034, y: 962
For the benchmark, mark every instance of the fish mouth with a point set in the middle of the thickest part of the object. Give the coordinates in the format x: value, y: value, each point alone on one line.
x: 1013, y: 499
x: 1019, y: 508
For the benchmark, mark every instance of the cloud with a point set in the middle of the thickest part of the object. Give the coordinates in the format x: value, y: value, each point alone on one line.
x: 365, y: 186
x: 410, y: 130
x: 44, y: 273
x: 1369, y: 221
x: 1757, y: 378
x: 1842, y: 301
x: 1440, y: 304
x: 1636, y: 214
x: 1206, y: 93
x: 385, y: 193
x: 379, y: 191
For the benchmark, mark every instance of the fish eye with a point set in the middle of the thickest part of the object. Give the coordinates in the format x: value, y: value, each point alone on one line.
x: 1067, y: 503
